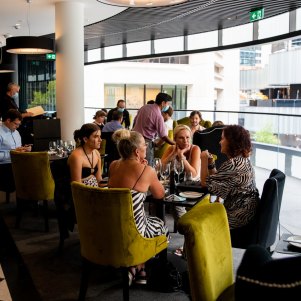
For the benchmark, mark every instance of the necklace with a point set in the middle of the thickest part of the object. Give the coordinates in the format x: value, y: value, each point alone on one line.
x: 91, y: 163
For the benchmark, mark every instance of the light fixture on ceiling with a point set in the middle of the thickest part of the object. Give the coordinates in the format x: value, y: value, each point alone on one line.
x: 5, y: 67
x: 141, y: 3
x: 29, y: 44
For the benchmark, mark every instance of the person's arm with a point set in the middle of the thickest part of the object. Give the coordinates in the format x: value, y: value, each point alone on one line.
x: 27, y: 114
x: 156, y: 188
x: 98, y: 174
x: 195, y: 163
x: 168, y: 140
x: 207, y: 167
x: 75, y: 166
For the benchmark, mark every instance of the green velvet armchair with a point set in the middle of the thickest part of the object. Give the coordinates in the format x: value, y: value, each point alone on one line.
x: 108, y: 233
x: 33, y: 181
x: 160, y: 150
x: 208, y: 250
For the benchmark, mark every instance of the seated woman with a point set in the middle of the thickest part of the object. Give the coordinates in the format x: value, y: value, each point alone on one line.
x: 195, y: 119
x: 85, y: 161
x: 140, y: 178
x: 190, y: 154
x: 184, y: 150
x: 99, y: 119
x: 234, y: 182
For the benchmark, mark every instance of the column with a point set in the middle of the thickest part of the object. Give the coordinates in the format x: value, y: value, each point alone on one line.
x: 69, y: 36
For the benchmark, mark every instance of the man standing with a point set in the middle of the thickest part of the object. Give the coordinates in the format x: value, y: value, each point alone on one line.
x: 9, y: 100
x: 10, y: 138
x: 121, y: 108
x: 149, y: 122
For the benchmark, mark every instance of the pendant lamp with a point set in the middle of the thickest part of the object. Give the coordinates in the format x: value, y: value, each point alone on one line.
x: 142, y: 3
x: 29, y: 44
x: 5, y: 66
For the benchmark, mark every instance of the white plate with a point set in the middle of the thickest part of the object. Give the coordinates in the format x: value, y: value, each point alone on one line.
x: 190, y: 194
x: 295, y: 241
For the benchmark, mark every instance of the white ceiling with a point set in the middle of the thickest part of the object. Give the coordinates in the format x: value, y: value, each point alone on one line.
x: 40, y: 14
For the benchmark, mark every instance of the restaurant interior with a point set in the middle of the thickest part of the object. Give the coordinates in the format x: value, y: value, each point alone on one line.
x: 76, y: 242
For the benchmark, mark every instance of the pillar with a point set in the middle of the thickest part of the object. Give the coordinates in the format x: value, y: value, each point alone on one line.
x: 69, y: 36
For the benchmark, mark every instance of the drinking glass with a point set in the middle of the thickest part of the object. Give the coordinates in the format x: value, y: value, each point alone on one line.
x: 188, y: 177
x: 70, y: 146
x: 157, y: 166
x: 178, y: 168
x: 60, y: 148
x: 165, y: 172
x: 52, y: 147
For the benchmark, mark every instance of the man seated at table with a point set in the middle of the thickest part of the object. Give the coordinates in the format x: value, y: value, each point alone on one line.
x: 10, y: 138
x: 114, y: 124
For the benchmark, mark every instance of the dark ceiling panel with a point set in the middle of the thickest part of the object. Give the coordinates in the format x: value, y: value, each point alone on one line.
x: 194, y: 16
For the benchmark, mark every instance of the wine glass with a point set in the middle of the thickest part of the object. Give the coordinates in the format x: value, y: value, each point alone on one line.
x: 165, y: 172
x: 157, y: 166
x: 60, y: 148
x: 178, y: 168
x: 70, y: 146
x: 52, y: 147
x: 188, y: 177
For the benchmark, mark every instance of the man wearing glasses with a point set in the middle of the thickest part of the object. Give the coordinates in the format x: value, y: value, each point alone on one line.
x: 10, y: 138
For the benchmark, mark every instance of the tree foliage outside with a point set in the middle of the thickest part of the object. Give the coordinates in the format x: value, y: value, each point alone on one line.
x: 47, y: 100
x: 266, y: 135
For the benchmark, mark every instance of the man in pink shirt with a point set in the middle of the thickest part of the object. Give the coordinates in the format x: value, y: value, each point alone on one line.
x: 150, y: 123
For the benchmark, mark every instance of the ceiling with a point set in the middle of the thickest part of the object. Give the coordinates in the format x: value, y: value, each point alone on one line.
x: 107, y: 25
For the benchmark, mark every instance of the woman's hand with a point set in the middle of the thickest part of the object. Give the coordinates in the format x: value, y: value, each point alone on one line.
x: 205, y: 155
x: 144, y: 161
x: 181, y: 152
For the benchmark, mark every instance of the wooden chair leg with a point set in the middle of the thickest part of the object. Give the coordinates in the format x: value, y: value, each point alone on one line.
x: 125, y: 284
x: 45, y: 213
x: 84, y: 280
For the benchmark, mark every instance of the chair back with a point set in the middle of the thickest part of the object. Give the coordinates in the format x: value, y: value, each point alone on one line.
x: 32, y: 174
x: 208, y: 250
x: 260, y: 275
x: 263, y: 229
x: 210, y: 139
x: 107, y: 229
x: 110, y: 147
x: 161, y: 150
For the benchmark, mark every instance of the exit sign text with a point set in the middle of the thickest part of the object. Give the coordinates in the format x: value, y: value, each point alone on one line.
x: 256, y: 14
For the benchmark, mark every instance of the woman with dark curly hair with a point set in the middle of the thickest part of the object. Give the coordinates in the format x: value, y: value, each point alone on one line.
x: 234, y: 182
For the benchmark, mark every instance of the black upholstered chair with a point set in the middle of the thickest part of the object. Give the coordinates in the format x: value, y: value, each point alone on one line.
x: 7, y: 182
x: 209, y: 139
x: 263, y: 229
x: 260, y: 277
x: 111, y: 148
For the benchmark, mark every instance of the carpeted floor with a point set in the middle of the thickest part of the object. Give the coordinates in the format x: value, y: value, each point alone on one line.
x: 57, y: 277
x: 41, y: 274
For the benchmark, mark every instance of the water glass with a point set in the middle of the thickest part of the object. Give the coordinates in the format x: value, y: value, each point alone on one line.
x: 188, y: 178
x: 52, y: 147
x: 165, y: 172
x: 157, y: 166
x: 178, y: 168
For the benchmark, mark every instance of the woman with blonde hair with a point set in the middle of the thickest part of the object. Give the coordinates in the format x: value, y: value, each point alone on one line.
x: 131, y: 171
x: 184, y: 150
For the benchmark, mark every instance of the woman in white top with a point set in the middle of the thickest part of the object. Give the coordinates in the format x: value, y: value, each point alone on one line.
x: 184, y: 150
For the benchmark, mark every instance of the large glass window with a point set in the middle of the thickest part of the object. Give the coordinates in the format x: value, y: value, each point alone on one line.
x: 113, y: 92
x: 151, y: 92
x: 134, y: 96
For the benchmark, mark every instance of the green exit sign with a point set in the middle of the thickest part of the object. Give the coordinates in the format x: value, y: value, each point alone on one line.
x: 50, y: 56
x: 256, y: 14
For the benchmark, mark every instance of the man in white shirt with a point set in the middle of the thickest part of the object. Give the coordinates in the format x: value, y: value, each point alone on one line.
x: 10, y: 138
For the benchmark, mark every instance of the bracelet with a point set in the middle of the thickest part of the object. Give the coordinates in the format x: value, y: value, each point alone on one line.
x: 211, y: 166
